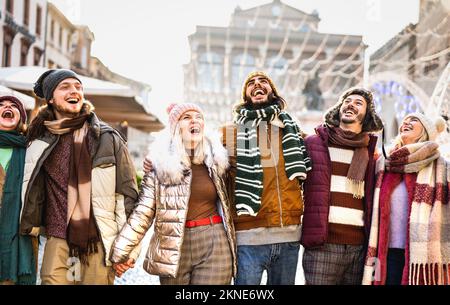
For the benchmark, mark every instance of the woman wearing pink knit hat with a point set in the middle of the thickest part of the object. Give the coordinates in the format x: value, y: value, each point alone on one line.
x: 185, y: 195
x: 409, y: 242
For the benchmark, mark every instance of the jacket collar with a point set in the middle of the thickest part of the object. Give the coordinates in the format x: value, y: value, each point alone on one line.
x: 168, y: 165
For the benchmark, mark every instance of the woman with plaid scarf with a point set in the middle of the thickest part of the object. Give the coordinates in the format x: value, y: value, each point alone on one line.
x: 409, y: 241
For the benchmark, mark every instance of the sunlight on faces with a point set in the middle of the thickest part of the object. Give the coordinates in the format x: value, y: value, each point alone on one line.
x: 411, y: 130
x: 9, y: 115
x: 258, y: 90
x: 353, y: 109
x: 68, y: 98
x: 191, y: 125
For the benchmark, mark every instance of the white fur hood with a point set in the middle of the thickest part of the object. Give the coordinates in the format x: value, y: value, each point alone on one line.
x: 167, y: 162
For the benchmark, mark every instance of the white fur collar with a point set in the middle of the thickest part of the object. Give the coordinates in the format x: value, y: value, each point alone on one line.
x: 167, y: 163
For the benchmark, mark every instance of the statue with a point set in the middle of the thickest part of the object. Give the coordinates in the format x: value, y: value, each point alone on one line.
x: 313, y: 94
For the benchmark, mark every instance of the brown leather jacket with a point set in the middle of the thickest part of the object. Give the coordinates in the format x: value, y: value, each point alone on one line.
x: 281, y: 200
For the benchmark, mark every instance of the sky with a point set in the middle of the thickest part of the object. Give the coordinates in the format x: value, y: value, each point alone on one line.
x: 147, y: 40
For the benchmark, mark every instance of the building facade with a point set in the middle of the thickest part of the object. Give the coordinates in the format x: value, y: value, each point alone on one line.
x: 406, y: 73
x: 309, y: 68
x: 59, y: 46
x: 22, y: 32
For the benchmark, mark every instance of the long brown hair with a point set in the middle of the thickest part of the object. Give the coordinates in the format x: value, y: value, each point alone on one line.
x: 45, y: 113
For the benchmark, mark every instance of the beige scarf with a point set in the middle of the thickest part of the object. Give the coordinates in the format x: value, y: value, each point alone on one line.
x: 82, y: 235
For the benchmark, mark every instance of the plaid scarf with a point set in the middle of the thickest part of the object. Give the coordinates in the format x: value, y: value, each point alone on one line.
x: 427, y: 252
x: 249, y: 176
x: 82, y: 235
x: 357, y: 170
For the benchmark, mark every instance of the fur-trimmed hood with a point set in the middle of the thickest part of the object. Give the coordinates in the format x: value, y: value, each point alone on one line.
x: 168, y: 164
x: 372, y: 122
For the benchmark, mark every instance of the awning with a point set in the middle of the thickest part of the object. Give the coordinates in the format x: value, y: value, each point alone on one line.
x: 114, y: 103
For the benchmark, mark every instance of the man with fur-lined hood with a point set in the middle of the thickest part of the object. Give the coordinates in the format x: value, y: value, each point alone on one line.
x: 79, y: 184
x: 268, y: 163
x: 339, y: 189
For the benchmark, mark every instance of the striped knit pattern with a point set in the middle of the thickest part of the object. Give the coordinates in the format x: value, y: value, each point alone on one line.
x: 249, y: 176
x: 346, y: 215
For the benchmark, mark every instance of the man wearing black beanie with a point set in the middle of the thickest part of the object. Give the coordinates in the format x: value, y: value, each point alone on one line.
x: 79, y: 184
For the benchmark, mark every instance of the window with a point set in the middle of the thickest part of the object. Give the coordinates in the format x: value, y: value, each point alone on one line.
x: 8, y: 37
x: 10, y: 6
x: 38, y: 20
x: 243, y: 64
x: 60, y: 37
x: 6, y: 62
x: 37, y: 56
x: 210, y: 72
x: 52, y: 30
x: 24, y: 47
x: 26, y: 12
x: 68, y: 42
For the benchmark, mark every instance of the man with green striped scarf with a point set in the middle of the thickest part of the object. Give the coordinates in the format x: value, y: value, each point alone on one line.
x: 268, y: 163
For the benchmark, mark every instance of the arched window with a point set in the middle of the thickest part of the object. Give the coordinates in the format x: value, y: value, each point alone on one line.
x: 243, y: 64
x: 210, y: 72
x: 278, y: 64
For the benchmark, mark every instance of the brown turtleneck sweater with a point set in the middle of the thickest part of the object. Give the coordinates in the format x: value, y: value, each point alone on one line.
x: 202, y: 202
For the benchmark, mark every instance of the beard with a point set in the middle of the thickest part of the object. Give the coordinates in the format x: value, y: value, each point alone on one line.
x: 67, y: 111
x: 358, y: 119
x: 271, y: 100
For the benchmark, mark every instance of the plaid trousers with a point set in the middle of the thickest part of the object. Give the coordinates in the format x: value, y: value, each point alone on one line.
x: 205, y: 258
x: 334, y: 264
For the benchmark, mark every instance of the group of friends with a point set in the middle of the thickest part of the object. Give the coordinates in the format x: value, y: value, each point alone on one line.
x: 225, y: 205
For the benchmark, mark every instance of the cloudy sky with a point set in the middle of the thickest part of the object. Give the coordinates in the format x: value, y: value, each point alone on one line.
x: 147, y: 39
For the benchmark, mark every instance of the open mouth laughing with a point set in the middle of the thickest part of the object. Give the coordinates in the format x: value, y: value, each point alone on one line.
x: 73, y: 100
x: 8, y: 114
x: 195, y: 130
x: 258, y: 92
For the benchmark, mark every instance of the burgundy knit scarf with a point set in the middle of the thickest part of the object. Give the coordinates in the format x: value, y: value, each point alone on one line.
x: 82, y: 235
x: 357, y: 170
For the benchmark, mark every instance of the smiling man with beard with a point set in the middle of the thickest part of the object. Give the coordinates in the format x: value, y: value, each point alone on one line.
x: 268, y: 163
x: 17, y: 253
x: 338, y: 191
x: 79, y: 184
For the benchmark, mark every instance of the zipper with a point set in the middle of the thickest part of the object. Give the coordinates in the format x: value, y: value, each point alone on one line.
x: 276, y: 175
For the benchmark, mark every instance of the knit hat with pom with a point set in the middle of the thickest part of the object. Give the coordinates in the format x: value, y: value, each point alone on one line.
x: 433, y: 125
x: 175, y: 112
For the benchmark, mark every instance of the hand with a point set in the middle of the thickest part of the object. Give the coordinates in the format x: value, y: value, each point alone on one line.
x: 121, y: 268
x: 148, y: 165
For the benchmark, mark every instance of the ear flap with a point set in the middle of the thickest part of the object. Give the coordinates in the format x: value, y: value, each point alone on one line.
x: 332, y: 115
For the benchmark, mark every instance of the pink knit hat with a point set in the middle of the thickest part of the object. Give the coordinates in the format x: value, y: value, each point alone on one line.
x: 175, y: 112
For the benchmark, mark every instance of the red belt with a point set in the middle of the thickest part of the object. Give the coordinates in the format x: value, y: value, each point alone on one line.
x: 204, y: 221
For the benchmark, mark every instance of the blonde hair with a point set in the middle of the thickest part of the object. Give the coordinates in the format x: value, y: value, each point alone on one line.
x: 178, y: 148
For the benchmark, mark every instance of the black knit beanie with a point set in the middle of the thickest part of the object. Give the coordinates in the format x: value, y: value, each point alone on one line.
x: 49, y: 80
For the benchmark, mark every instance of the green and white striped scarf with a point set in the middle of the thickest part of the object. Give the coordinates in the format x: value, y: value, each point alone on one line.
x: 249, y: 176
